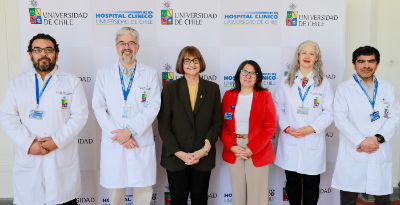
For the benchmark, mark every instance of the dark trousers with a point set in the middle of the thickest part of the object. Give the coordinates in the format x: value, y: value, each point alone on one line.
x: 186, y: 181
x: 295, y: 188
x: 349, y: 198
x: 72, y: 202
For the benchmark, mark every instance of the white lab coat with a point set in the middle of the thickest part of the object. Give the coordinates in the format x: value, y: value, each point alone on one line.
x: 120, y: 167
x: 53, y: 178
x: 362, y: 172
x: 306, y: 155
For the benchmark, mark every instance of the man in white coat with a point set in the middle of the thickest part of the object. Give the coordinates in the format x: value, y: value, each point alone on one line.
x: 367, y: 115
x: 42, y: 113
x: 126, y: 100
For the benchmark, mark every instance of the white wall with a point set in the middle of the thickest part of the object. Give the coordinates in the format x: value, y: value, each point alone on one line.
x: 10, y: 66
x: 370, y: 22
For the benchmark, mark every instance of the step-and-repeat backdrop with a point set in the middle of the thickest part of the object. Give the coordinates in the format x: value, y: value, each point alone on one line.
x: 226, y: 32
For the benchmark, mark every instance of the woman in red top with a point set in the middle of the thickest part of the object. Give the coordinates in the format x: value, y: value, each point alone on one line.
x: 248, y: 126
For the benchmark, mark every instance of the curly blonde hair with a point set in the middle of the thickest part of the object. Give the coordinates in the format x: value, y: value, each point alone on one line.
x: 295, y: 66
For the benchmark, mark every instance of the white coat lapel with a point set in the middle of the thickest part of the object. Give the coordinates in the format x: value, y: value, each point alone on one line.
x: 139, y: 68
x: 297, y: 79
x: 359, y: 90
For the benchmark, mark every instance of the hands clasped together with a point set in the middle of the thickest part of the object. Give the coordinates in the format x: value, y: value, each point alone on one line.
x: 242, y: 153
x: 369, y: 145
x: 42, y: 146
x: 124, y: 138
x: 193, y: 158
x: 301, y: 132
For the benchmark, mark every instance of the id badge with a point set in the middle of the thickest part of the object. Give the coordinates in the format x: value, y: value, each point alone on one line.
x: 125, y: 111
x: 374, y: 116
x: 228, y: 116
x: 302, y: 110
x: 36, y: 114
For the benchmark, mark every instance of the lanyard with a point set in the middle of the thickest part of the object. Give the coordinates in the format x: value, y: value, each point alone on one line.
x: 365, y: 92
x: 126, y: 92
x: 41, y: 92
x: 305, y: 94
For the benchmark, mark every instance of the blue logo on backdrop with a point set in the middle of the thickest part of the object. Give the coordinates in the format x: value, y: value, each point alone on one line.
x: 229, y: 81
x: 128, y: 200
x: 228, y: 198
x: 124, y: 17
x: 272, y: 194
x: 269, y: 79
x: 251, y: 18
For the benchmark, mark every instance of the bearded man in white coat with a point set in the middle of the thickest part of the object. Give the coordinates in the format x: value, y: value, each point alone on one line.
x: 367, y: 114
x: 126, y: 100
x: 42, y: 113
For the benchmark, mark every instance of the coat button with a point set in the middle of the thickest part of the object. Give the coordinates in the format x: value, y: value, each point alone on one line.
x: 44, y: 133
x: 47, y: 170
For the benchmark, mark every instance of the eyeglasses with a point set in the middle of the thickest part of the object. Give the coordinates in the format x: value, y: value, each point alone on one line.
x: 188, y: 61
x: 122, y: 44
x: 245, y: 73
x: 39, y: 50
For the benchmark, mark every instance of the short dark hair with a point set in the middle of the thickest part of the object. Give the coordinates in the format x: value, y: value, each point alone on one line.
x: 257, y: 68
x: 190, y: 51
x: 44, y: 36
x: 366, y: 51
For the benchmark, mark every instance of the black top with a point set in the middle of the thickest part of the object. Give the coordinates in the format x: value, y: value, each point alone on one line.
x: 182, y: 129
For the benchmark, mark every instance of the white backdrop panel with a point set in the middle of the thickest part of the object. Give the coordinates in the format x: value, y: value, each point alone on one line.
x: 226, y: 33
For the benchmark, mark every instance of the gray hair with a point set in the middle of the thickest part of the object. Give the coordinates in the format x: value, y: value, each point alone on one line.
x: 295, y: 66
x: 127, y: 31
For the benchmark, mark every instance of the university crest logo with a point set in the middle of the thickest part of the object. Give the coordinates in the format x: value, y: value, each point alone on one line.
x: 167, y: 14
x: 167, y: 75
x: 35, y: 14
x: 291, y: 17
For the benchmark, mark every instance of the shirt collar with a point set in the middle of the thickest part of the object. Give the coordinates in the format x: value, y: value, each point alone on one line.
x: 123, y: 69
x: 362, y: 81
x: 309, y: 76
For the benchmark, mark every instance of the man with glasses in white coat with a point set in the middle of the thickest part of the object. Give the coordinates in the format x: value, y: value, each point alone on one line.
x: 126, y: 100
x: 367, y: 114
x: 43, y: 111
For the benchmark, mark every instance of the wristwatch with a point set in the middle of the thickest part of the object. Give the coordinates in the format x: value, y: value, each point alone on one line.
x: 380, y: 138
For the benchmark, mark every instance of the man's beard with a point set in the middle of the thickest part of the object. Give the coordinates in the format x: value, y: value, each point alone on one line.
x: 43, y: 67
x: 127, y: 59
x: 365, y: 76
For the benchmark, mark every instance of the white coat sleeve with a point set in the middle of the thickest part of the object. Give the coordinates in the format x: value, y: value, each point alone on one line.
x: 100, y: 108
x: 79, y: 112
x: 392, y: 123
x: 11, y: 121
x: 143, y: 119
x: 326, y: 117
x: 341, y: 118
x: 280, y: 102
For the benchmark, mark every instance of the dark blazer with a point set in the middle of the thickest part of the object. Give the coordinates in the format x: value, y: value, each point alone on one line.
x: 262, y: 125
x: 182, y: 129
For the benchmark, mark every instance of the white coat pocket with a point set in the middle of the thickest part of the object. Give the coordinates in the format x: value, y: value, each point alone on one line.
x: 25, y: 159
x: 67, y: 156
x: 354, y: 156
x: 385, y: 152
x: 313, y: 141
x: 288, y: 139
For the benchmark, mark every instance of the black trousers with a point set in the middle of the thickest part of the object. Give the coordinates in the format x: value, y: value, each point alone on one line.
x: 186, y: 181
x: 295, y: 188
x: 349, y: 198
x: 72, y: 202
